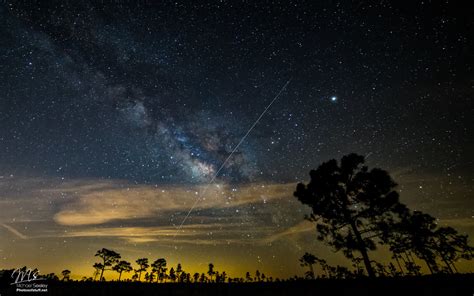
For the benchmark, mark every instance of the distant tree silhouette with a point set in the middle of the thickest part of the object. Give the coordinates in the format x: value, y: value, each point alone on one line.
x: 51, y: 276
x: 414, y: 234
x: 248, y: 277
x: 152, y: 272
x: 163, y: 275
x: 66, y: 274
x: 405, y: 262
x: 411, y: 266
x: 380, y: 269
x: 308, y: 260
x: 142, y: 266
x: 418, y: 233
x: 397, y: 257
x: 350, y: 205
x: 172, y: 275
x: 211, y: 271
x: 182, y: 277
x: 451, y: 246
x: 393, y: 270
x: 257, y: 275
x: 108, y: 257
x: 356, y: 261
x: 196, y: 277
x: 223, y: 276
x: 149, y: 277
x: 97, y: 269
x: 203, y: 278
x: 159, y: 266
x: 342, y: 272
x: 122, y: 266
x: 324, y: 267
x: 179, y: 270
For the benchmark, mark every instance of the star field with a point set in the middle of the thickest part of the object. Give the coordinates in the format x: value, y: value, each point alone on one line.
x: 114, y: 117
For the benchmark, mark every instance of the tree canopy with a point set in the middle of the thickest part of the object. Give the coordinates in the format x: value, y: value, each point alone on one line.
x: 355, y: 209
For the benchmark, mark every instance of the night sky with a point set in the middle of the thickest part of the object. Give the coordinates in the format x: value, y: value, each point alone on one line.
x: 118, y: 118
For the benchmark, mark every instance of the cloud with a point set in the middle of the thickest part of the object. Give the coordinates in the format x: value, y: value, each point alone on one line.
x: 190, y: 234
x: 99, y: 204
x: 302, y: 227
x: 202, y: 234
x: 14, y: 231
x: 460, y: 222
x: 226, y: 214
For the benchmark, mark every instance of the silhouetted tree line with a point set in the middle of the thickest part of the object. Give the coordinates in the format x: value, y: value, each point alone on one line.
x: 158, y: 272
x: 356, y: 209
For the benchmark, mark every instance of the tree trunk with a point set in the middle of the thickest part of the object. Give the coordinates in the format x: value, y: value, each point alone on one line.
x: 325, y: 271
x: 428, y: 263
x: 399, y: 265
x: 447, y: 264
x: 120, y: 275
x: 454, y: 267
x: 403, y: 258
x: 411, y: 257
x: 102, y: 274
x: 363, y: 250
x: 311, y: 270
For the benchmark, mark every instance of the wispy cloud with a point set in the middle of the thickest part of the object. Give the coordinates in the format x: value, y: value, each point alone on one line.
x: 302, y: 227
x: 227, y: 214
x: 99, y: 205
x: 190, y: 234
x: 14, y: 231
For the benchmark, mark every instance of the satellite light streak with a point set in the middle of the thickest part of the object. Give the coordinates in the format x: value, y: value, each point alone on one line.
x: 230, y: 155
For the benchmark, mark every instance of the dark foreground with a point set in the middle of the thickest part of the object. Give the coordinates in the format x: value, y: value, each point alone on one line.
x: 428, y: 285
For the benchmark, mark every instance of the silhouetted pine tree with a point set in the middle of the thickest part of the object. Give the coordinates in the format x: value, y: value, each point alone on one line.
x: 351, y: 205
x: 211, y: 271
x: 308, y: 260
x: 108, y: 257
x: 122, y: 266
x: 159, y: 266
x: 66, y: 274
x: 142, y: 266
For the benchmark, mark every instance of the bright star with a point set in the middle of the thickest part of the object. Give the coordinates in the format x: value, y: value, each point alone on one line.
x: 333, y: 99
